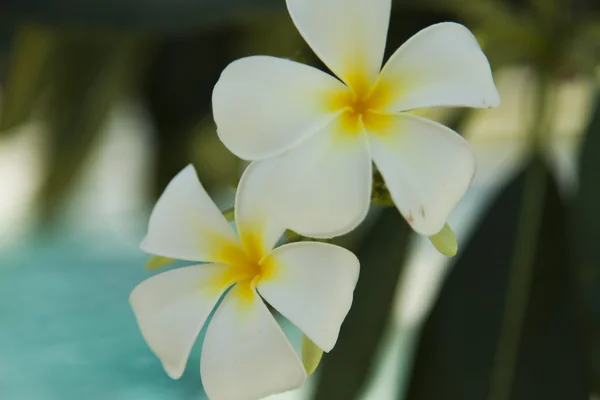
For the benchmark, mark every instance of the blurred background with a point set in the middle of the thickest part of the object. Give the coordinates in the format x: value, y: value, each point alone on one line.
x: 104, y: 101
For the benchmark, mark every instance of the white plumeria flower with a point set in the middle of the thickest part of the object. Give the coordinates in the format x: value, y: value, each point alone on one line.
x: 245, y: 354
x: 325, y: 133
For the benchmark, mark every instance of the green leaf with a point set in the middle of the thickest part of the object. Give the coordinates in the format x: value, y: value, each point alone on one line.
x: 505, y: 323
x: 311, y: 355
x: 586, y: 212
x: 344, y: 371
x: 31, y: 51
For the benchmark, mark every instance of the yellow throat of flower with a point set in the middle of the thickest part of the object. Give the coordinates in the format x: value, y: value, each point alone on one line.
x: 248, y: 264
x: 362, y: 104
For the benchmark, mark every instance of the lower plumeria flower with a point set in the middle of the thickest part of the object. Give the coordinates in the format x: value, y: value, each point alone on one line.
x: 245, y: 354
x: 324, y: 133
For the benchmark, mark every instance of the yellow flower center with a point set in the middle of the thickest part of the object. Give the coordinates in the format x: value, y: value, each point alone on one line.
x: 362, y: 104
x: 248, y: 265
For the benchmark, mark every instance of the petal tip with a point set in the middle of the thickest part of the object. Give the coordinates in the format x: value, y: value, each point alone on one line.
x: 327, y: 347
x: 147, y: 245
x: 143, y: 246
x: 493, y: 99
x: 172, y: 372
x: 496, y: 100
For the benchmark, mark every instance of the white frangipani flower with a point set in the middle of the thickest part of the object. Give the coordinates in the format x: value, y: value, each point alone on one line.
x: 245, y: 354
x: 324, y: 133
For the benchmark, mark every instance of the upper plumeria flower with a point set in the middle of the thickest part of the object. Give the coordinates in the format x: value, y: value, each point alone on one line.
x: 325, y: 132
x: 245, y: 354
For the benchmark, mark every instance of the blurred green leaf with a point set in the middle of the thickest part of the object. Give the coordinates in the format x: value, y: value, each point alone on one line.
x: 88, y: 73
x: 31, y: 50
x: 150, y: 15
x: 550, y: 10
x: 505, y: 323
x: 154, y: 15
x: 507, y: 34
x: 586, y: 212
x: 584, y: 45
x: 178, y: 90
x: 344, y: 371
x: 554, y: 35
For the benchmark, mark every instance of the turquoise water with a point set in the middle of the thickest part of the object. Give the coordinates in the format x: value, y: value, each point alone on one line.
x: 67, y: 331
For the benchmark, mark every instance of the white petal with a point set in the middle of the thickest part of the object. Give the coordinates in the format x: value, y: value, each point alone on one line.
x: 258, y: 230
x: 426, y: 166
x: 322, y: 188
x: 185, y: 224
x: 442, y: 65
x: 348, y: 35
x: 312, y: 285
x: 265, y: 105
x: 245, y: 355
x: 171, y: 309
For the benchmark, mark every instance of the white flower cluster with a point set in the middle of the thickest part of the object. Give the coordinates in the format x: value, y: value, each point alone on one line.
x: 312, y: 140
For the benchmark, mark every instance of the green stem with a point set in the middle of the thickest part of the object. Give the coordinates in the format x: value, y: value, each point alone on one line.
x: 522, y: 265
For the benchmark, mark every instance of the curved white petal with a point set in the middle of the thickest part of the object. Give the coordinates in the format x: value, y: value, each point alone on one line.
x: 265, y: 105
x: 426, y: 166
x: 257, y: 228
x: 171, y: 309
x: 322, y: 188
x: 442, y: 65
x: 185, y: 224
x: 245, y: 354
x: 348, y: 35
x: 312, y: 285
